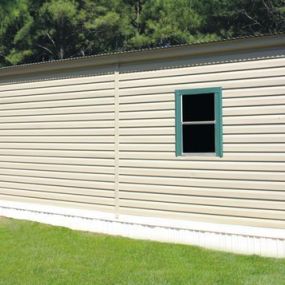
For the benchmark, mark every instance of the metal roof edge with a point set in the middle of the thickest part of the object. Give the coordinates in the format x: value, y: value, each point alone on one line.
x: 198, y: 48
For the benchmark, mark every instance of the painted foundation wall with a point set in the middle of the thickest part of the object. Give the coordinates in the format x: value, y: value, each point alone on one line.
x: 103, y: 139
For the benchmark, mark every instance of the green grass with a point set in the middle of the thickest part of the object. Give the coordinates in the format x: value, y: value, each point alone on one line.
x: 36, y: 254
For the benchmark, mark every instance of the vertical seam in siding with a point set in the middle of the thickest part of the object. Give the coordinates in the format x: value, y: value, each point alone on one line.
x: 116, y: 139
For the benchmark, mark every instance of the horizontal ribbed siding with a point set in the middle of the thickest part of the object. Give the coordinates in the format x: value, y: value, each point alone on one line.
x: 246, y: 186
x: 57, y: 141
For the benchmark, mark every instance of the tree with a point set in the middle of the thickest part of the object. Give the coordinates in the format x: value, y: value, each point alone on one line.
x: 16, y: 22
x: 56, y: 33
x: 40, y: 30
x: 168, y: 22
x: 107, y: 25
x: 243, y: 17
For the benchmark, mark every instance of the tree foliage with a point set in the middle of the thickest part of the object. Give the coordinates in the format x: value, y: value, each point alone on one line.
x: 40, y: 30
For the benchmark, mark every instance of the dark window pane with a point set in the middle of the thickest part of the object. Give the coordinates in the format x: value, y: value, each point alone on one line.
x: 198, y: 138
x: 198, y: 107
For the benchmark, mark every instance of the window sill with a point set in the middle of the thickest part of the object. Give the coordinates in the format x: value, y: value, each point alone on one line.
x: 199, y: 154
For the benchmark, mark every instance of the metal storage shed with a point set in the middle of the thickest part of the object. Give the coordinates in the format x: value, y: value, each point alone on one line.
x: 114, y: 143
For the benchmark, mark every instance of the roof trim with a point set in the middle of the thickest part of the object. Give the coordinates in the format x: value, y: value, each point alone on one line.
x: 199, y: 48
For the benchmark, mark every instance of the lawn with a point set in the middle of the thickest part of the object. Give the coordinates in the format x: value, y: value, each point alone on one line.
x: 36, y: 254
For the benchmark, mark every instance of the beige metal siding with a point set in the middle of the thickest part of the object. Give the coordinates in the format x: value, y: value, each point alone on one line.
x: 107, y: 141
x: 57, y: 141
x: 246, y: 186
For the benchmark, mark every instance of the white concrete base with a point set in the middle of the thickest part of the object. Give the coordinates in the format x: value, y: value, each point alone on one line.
x: 232, y: 238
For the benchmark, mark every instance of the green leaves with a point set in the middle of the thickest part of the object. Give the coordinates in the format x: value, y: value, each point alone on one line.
x: 15, y: 25
x: 56, y: 27
x: 59, y: 11
x: 39, y: 30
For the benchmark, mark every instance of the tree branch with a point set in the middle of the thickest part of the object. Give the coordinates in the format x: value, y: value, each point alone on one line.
x: 46, y: 49
x: 251, y: 18
x: 51, y: 39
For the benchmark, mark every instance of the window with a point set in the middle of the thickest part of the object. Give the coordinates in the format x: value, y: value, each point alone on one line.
x: 199, y: 121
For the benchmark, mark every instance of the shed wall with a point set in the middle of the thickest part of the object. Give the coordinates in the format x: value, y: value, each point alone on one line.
x: 57, y: 140
x: 59, y: 137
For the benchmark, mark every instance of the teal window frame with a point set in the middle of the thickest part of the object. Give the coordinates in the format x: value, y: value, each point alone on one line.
x: 217, y: 91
